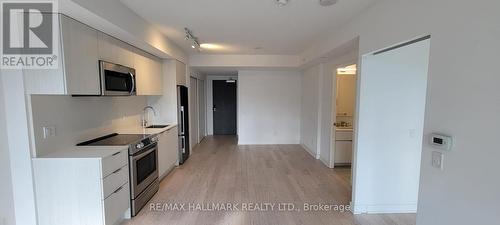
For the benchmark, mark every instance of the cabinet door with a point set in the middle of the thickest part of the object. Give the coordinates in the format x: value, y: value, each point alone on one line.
x: 114, y: 51
x: 81, y: 65
x: 343, y: 152
x: 173, y: 146
x: 163, y: 164
x: 148, y: 74
x: 157, y: 74
x: 180, y: 71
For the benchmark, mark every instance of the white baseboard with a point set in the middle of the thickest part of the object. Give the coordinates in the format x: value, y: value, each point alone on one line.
x: 312, y: 153
x: 383, y: 209
x: 327, y: 164
x: 291, y: 142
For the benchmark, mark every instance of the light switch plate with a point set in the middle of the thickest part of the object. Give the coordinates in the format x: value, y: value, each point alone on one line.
x: 49, y: 131
x: 437, y: 160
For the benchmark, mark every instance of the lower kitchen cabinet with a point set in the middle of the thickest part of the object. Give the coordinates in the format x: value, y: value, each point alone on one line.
x: 83, y: 187
x: 168, y: 151
x: 343, y: 152
x: 343, y: 148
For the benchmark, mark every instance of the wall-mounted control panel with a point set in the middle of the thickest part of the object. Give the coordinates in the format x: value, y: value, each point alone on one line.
x: 441, y: 141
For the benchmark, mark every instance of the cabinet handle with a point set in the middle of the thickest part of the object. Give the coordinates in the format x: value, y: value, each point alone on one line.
x: 118, y: 170
x: 116, y: 154
x: 118, y: 190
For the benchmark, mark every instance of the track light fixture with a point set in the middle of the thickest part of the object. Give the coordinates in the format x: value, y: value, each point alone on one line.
x: 194, y: 40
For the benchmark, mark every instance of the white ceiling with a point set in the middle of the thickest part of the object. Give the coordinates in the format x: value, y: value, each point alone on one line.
x: 240, y: 26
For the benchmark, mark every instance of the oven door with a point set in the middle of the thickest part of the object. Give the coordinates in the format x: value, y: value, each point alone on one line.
x: 117, y: 79
x: 143, y: 169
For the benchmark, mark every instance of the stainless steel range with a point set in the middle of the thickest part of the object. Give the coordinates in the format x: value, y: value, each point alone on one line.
x: 143, y: 164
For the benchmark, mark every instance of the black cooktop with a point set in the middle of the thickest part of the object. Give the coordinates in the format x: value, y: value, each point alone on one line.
x: 114, y: 139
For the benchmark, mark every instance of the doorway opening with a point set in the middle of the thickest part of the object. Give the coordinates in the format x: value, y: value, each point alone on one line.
x: 224, y: 107
x: 344, y: 107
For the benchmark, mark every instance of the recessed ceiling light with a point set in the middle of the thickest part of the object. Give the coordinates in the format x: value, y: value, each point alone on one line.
x: 327, y: 2
x: 282, y: 3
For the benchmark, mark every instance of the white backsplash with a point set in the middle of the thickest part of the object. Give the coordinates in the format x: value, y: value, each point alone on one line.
x: 77, y: 119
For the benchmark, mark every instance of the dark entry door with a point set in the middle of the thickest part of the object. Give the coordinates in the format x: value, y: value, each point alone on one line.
x: 224, y: 108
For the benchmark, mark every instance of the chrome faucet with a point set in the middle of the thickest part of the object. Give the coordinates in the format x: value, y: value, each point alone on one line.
x: 144, y: 121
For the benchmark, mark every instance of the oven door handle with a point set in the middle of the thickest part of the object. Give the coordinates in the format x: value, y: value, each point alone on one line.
x: 136, y: 157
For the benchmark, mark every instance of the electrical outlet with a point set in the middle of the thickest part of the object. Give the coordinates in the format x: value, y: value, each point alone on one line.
x: 437, y: 160
x: 49, y: 131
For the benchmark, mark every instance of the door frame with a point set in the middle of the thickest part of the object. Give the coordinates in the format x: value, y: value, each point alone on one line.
x: 202, y: 108
x: 210, y: 101
x: 193, y: 112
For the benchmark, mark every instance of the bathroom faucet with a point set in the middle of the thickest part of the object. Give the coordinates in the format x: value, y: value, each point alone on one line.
x: 144, y: 121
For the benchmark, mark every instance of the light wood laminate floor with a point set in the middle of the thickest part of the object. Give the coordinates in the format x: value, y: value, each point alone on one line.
x: 220, y: 171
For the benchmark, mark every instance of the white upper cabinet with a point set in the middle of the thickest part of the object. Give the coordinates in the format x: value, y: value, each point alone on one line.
x: 180, y: 70
x: 115, y: 51
x: 77, y: 72
x: 148, y: 73
x: 79, y: 43
x: 81, y: 47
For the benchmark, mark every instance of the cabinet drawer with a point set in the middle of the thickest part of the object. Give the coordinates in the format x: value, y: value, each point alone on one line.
x: 114, y: 162
x: 116, y: 204
x: 115, y: 180
x: 343, y: 135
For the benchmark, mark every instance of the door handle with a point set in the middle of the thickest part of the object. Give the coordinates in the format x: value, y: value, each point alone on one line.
x: 214, y: 108
x: 133, y: 82
x: 182, y: 120
x: 183, y: 145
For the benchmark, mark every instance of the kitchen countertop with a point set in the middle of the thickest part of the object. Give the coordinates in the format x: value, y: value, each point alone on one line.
x: 102, y: 151
x: 85, y: 152
x: 141, y: 130
x: 344, y: 129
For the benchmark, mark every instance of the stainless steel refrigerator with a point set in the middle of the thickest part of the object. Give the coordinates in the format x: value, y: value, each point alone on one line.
x: 183, y: 121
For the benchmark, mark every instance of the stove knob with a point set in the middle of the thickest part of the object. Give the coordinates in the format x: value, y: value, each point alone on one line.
x: 139, y: 146
x: 154, y: 139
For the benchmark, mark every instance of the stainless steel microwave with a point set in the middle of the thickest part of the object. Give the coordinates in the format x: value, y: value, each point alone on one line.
x: 117, y: 79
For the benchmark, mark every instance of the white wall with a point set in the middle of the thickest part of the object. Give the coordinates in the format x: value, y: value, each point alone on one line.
x: 6, y: 200
x: 269, y: 107
x: 317, y: 97
x: 78, y: 119
x: 245, y: 61
x: 461, y: 101
x: 389, y: 130
x: 310, y: 109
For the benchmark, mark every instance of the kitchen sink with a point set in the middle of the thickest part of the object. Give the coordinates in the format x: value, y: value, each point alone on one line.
x: 157, y: 126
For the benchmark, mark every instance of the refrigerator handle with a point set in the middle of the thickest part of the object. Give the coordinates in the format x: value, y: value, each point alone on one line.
x: 182, y: 120
x: 183, y: 145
